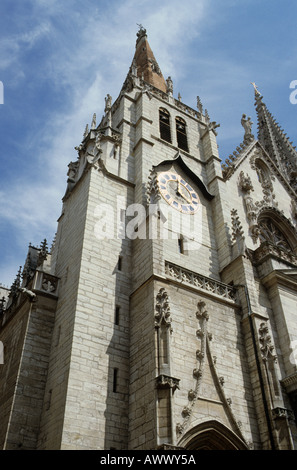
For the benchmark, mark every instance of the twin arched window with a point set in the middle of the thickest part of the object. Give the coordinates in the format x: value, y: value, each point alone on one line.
x: 180, y: 127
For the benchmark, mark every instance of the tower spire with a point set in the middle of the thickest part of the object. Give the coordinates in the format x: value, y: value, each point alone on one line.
x: 145, y: 63
x: 276, y: 143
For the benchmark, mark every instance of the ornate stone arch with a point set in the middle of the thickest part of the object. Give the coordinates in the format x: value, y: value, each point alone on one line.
x: 275, y: 229
x: 211, y: 435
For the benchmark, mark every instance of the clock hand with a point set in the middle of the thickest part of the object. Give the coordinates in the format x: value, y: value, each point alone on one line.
x: 189, y: 200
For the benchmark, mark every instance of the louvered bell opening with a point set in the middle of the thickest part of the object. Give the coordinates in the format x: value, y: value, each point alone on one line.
x: 165, y: 132
x: 181, y: 134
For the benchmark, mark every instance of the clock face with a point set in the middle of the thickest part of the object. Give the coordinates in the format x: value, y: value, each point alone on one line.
x: 178, y: 193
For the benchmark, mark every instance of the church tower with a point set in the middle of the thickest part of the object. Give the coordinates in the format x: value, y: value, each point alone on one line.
x: 163, y: 317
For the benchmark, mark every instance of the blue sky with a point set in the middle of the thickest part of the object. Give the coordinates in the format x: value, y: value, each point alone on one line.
x: 58, y: 60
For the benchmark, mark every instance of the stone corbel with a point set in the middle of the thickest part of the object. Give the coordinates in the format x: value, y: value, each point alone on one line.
x: 165, y: 381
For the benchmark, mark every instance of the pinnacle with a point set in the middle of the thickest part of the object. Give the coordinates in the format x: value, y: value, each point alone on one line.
x: 275, y: 141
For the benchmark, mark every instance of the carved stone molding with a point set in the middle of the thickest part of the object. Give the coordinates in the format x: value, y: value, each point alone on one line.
x: 267, y: 249
x: 162, y: 309
x: 251, y: 208
x: 211, y: 286
x: 255, y: 209
x: 290, y: 383
x: 49, y: 283
x: 265, y: 177
x: 152, y: 190
x: 202, y: 317
x: 237, y: 230
x: 267, y: 347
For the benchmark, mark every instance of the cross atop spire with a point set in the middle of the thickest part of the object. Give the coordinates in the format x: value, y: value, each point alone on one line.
x: 255, y: 88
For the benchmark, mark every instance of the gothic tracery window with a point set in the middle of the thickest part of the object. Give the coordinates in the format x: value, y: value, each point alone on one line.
x: 271, y: 233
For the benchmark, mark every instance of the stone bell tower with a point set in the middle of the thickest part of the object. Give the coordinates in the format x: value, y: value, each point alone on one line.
x: 164, y: 312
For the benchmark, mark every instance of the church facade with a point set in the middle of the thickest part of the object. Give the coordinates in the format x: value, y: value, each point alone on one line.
x: 164, y: 315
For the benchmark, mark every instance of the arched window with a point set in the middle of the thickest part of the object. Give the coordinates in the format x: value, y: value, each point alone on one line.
x: 181, y: 134
x: 164, y: 118
x: 276, y: 230
x: 271, y: 233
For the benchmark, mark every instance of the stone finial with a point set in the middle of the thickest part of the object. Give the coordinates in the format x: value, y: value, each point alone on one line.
x: 43, y: 252
x: 15, y: 287
x: 86, y: 131
x: 199, y: 105
x: 93, y: 125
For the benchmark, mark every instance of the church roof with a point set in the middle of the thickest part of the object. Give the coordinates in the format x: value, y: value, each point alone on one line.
x: 147, y: 66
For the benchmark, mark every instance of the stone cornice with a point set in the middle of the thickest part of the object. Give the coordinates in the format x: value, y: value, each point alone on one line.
x: 280, y: 277
x: 290, y: 383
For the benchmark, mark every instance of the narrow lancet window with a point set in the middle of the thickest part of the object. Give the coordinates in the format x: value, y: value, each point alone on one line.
x: 117, y: 315
x: 115, y: 380
x: 181, y: 245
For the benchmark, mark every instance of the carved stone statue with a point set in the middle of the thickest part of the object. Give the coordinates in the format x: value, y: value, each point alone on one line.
x: 245, y: 182
x: 108, y: 101
x: 247, y: 125
x: 169, y: 85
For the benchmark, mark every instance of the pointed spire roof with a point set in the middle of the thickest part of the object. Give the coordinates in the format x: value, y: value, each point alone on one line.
x: 147, y: 66
x: 275, y: 142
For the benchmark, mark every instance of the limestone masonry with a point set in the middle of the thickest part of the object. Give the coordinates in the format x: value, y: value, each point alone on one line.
x: 164, y: 315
